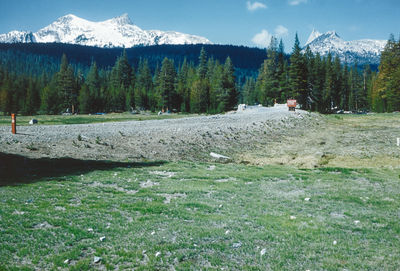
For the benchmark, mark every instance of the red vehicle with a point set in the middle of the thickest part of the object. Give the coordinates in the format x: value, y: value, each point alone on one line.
x: 291, y: 104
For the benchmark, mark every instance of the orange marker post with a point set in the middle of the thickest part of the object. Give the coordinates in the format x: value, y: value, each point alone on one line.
x: 13, y: 124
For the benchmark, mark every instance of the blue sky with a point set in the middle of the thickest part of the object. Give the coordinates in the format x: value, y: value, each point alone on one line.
x: 238, y: 22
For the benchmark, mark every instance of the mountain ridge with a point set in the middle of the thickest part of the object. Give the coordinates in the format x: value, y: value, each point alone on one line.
x: 115, y: 32
x: 364, y: 51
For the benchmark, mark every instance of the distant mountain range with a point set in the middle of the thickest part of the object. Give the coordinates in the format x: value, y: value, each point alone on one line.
x: 366, y: 51
x: 120, y: 32
x: 116, y: 32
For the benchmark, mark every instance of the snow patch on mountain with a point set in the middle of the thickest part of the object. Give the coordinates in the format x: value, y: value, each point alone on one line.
x: 366, y: 51
x: 115, y: 32
x: 314, y: 34
x: 17, y: 36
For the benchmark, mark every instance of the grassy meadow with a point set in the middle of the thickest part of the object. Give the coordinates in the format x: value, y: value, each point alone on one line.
x: 68, y: 214
x: 203, y: 217
x: 86, y: 119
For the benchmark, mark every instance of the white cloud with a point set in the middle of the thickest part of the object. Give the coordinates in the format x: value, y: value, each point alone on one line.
x: 281, y: 31
x: 254, y: 6
x: 354, y: 28
x: 297, y: 2
x: 262, y: 39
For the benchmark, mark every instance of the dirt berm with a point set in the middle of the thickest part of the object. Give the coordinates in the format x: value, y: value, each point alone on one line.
x: 257, y: 135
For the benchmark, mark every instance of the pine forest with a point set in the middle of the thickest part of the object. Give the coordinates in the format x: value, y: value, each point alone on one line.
x: 207, y: 85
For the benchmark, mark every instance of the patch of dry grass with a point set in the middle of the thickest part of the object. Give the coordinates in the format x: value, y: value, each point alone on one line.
x: 350, y: 141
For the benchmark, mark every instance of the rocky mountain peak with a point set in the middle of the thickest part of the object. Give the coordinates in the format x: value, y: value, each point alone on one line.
x: 71, y: 29
x: 122, y: 20
x: 356, y: 51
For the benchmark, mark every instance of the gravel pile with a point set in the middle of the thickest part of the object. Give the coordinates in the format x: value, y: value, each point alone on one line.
x: 172, y: 139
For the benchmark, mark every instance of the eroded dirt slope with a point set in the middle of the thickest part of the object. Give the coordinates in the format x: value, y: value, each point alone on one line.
x: 257, y: 135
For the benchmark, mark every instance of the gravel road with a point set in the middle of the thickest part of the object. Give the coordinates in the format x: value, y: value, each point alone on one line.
x: 190, y: 138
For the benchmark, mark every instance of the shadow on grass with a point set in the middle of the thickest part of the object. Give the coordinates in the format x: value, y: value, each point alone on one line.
x: 17, y: 169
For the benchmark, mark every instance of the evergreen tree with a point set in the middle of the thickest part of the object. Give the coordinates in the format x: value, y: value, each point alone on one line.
x: 5, y: 94
x: 84, y: 100
x: 182, y: 87
x: 199, y: 97
x: 200, y: 87
x: 229, y: 95
x: 120, y: 83
x: 94, y: 102
x: 202, y: 68
x: 366, y: 86
x: 166, y: 85
x: 65, y: 86
x: 124, y: 71
x: 298, y: 76
x: 130, y: 93
x: 143, y: 86
x: 216, y: 88
x: 328, y: 87
x: 269, y: 89
x: 356, y: 94
x: 337, y: 82
x: 32, y: 99
x: 312, y: 74
x: 192, y: 78
x: 319, y: 83
x: 386, y: 90
x: 282, y: 75
x: 249, y: 93
x: 345, y: 94
x: 155, y: 101
x: 50, y: 98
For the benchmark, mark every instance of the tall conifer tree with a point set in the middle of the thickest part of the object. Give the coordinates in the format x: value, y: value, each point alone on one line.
x: 298, y: 75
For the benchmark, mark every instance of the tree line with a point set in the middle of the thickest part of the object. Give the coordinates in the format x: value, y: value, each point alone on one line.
x: 208, y: 87
x: 385, y: 91
x: 36, y: 58
x: 322, y: 84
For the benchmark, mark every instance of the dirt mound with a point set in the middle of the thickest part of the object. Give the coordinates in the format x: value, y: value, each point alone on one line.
x: 173, y: 139
x: 256, y: 135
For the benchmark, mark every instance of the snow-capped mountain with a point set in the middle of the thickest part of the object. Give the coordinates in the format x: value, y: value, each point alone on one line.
x: 17, y: 36
x: 116, y: 32
x: 314, y: 34
x: 366, y: 51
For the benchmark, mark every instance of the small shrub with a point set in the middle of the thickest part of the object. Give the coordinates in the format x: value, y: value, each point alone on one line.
x: 31, y: 147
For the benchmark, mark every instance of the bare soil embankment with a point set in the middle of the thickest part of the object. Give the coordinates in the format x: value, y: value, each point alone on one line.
x: 257, y: 135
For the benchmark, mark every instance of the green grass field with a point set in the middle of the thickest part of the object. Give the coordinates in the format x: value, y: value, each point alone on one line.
x: 202, y: 217
x: 60, y: 214
x: 85, y: 119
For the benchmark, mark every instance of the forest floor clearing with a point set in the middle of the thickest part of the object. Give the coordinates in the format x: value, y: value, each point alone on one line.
x: 300, y: 191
